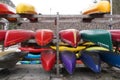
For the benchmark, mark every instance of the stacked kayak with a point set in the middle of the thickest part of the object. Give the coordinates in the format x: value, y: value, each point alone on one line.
x: 69, y: 61
x: 98, y: 36
x: 8, y: 59
x: 44, y: 36
x: 70, y: 36
x: 100, y: 7
x: 19, y: 36
x: 2, y: 34
x: 48, y: 59
x: 24, y: 8
x: 6, y: 9
x: 31, y: 58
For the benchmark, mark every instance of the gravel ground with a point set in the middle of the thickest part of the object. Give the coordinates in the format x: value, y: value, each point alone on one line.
x: 35, y: 72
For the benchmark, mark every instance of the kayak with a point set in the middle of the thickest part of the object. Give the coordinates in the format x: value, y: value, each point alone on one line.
x: 30, y: 62
x: 98, y: 36
x: 70, y: 36
x: 48, y: 59
x: 24, y: 8
x: 115, y: 35
x: 19, y: 36
x: 34, y: 50
x: 69, y: 61
x: 100, y: 7
x: 6, y: 9
x: 110, y: 58
x: 30, y: 55
x: 2, y: 34
x: 91, y: 60
x: 8, y: 59
x: 44, y: 36
x: 67, y: 48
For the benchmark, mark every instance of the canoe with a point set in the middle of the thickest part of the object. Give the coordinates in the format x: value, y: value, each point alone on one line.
x: 67, y: 48
x: 70, y: 36
x: 48, y: 59
x: 34, y: 50
x: 2, y: 34
x: 19, y: 36
x: 98, y: 36
x: 44, y: 36
x: 69, y: 61
x: 115, y: 34
x: 6, y: 9
x: 91, y: 60
x: 24, y: 8
x: 30, y: 55
x: 8, y: 59
x: 100, y: 7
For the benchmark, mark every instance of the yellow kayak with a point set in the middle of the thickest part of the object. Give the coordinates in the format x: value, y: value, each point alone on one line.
x: 100, y: 7
x: 72, y: 49
x: 97, y: 48
x: 24, y: 8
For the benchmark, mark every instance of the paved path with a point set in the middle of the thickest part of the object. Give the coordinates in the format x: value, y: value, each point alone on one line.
x: 35, y: 72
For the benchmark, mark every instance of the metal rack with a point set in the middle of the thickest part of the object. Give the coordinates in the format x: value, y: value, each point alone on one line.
x: 59, y: 18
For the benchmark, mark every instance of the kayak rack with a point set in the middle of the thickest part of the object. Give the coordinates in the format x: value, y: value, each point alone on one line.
x: 61, y: 18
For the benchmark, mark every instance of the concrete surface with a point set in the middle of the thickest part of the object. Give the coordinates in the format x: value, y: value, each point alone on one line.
x: 35, y: 72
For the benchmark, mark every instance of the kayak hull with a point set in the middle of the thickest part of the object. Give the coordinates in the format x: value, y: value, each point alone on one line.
x: 48, y: 59
x: 2, y: 34
x: 91, y: 60
x: 100, y: 7
x: 5, y: 10
x: 115, y: 35
x: 19, y: 36
x: 110, y: 58
x: 98, y: 36
x: 69, y: 61
x: 70, y: 36
x: 8, y: 59
x: 44, y: 36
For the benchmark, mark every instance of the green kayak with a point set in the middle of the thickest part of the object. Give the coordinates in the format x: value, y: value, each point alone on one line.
x: 98, y: 36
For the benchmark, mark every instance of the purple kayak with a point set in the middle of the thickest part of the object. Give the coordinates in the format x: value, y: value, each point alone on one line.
x: 69, y: 61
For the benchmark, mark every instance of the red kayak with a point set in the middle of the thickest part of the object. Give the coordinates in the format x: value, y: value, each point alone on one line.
x: 6, y: 9
x: 70, y: 36
x: 34, y: 50
x: 48, y: 59
x: 115, y: 35
x: 44, y: 36
x: 2, y: 34
x: 16, y: 36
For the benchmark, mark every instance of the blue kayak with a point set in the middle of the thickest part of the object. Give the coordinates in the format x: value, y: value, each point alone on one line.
x: 91, y: 60
x: 30, y: 55
x: 110, y: 58
x: 69, y: 61
x: 30, y: 62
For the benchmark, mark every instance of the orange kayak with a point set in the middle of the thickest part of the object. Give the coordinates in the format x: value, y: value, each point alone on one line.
x: 70, y: 36
x: 6, y: 9
x: 100, y: 7
x: 48, y: 59
x: 44, y: 36
x: 16, y: 36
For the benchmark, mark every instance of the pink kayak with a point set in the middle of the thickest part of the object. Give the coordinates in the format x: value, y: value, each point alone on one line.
x: 44, y: 36
x: 70, y: 36
x: 16, y: 36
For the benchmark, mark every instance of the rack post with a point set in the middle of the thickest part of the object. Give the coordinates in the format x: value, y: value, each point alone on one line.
x: 57, y: 46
